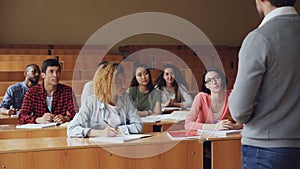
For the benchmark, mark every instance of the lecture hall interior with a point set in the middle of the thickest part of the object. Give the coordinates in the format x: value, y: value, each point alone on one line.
x: 192, y: 35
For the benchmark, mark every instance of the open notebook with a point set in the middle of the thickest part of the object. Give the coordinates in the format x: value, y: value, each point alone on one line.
x: 118, y: 139
x: 174, y: 116
x: 36, y: 126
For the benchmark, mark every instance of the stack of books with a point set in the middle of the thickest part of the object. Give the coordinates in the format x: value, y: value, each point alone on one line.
x: 183, y: 135
x: 218, y: 133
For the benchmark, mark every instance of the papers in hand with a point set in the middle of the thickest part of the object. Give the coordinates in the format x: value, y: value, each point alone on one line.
x: 118, y: 139
x: 218, y: 133
x: 35, y: 126
x: 175, y: 116
x: 182, y: 135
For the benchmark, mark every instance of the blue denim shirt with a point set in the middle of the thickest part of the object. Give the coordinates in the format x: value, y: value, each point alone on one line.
x: 14, y: 96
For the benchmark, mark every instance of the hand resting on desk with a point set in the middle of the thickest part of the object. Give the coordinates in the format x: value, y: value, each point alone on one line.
x: 107, y: 132
x: 49, y: 117
x: 222, y: 125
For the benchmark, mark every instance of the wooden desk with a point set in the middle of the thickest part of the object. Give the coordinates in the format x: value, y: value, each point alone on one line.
x: 170, y: 122
x: 11, y: 132
x: 226, y: 152
x: 6, y: 119
x: 165, y: 125
x: 77, y: 153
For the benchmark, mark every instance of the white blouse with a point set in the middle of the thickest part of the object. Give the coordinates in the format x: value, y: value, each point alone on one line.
x: 185, y: 94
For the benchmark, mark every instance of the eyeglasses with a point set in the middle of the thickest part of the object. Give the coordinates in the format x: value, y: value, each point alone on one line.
x: 215, y: 79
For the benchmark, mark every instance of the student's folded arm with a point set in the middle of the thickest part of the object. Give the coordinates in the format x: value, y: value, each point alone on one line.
x: 190, y: 122
x: 72, y: 105
x: 7, y: 101
x: 78, y: 127
x: 188, y: 100
x: 26, y: 114
x: 164, y: 104
x: 157, y: 108
x: 75, y: 129
x: 191, y: 119
x: 26, y: 117
x: 164, y: 100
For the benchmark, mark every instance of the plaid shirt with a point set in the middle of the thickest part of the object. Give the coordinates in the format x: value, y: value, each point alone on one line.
x: 34, y: 103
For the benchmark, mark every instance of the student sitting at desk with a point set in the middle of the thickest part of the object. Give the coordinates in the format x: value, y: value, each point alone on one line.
x: 49, y: 101
x: 173, y: 87
x: 14, y: 95
x: 145, y: 98
x: 211, y: 105
x: 108, y: 109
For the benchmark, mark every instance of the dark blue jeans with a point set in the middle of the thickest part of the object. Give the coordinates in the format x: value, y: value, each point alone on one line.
x: 270, y: 158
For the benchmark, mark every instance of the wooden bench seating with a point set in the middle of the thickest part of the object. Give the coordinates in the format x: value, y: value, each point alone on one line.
x: 66, y: 75
x: 77, y: 85
x: 85, y: 65
x: 25, y: 51
x: 41, y: 58
x: 24, y: 58
x: 47, y: 51
x: 20, y: 66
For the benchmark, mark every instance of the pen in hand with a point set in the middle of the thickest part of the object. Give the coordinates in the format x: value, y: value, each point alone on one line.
x: 116, y: 128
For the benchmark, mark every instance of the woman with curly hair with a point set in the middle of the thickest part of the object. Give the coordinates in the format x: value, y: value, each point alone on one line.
x: 174, y: 88
x: 142, y: 93
x: 103, y: 113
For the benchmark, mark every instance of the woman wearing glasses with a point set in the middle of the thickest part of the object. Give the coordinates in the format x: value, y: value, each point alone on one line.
x: 211, y: 105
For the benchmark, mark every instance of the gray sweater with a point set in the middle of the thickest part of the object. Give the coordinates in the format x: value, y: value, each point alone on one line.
x: 266, y: 94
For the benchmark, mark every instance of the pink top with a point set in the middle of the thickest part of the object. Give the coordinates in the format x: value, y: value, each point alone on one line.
x: 201, y: 113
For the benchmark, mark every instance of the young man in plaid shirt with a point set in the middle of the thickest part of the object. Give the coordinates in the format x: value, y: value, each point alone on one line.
x: 49, y: 101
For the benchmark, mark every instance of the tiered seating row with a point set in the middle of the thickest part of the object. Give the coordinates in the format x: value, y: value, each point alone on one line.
x: 76, y: 71
x: 190, y: 65
x: 68, y: 62
x: 49, y: 49
x: 82, y: 67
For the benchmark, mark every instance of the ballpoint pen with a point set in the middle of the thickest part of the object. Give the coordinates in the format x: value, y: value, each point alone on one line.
x: 116, y: 128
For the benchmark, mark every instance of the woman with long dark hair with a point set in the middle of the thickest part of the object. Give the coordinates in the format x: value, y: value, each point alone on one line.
x: 145, y: 98
x: 211, y: 105
x: 174, y: 88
